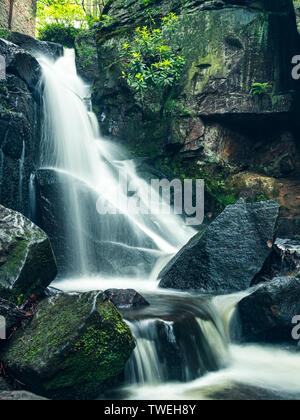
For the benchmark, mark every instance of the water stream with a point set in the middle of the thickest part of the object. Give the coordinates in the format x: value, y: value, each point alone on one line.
x: 184, y: 348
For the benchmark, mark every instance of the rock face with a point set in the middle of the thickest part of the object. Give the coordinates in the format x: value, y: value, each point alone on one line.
x: 72, y: 347
x: 206, y: 120
x: 229, y: 254
x: 267, y: 314
x: 126, y: 299
x: 27, y: 262
x: 19, y: 126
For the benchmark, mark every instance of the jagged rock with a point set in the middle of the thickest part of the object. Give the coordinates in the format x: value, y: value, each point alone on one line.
x: 74, y: 344
x: 22, y: 64
x: 126, y: 298
x: 27, y: 262
x: 266, y: 315
x: 35, y: 47
x: 20, y: 396
x: 229, y: 254
x: 283, y: 261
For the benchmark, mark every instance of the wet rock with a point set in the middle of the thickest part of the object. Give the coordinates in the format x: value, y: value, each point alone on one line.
x: 283, y: 261
x: 74, y: 344
x: 266, y: 315
x: 13, y: 316
x: 35, y: 47
x: 229, y: 254
x: 20, y: 396
x: 19, y: 126
x: 126, y: 298
x: 27, y: 262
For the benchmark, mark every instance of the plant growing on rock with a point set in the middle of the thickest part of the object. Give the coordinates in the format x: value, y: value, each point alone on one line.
x: 259, y: 89
x: 149, y: 61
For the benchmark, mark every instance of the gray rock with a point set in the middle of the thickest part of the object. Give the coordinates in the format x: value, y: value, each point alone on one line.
x: 20, y: 396
x: 126, y: 298
x: 19, y: 126
x: 35, y: 47
x: 266, y: 315
x: 73, y: 346
x: 27, y: 262
x: 229, y: 254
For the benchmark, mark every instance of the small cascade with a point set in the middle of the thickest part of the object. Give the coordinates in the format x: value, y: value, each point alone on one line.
x: 180, y: 349
x: 21, y: 173
x: 32, y: 197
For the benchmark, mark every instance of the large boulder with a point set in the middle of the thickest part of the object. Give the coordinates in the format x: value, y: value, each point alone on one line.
x: 266, y: 315
x: 71, y: 348
x: 27, y: 262
x: 229, y: 254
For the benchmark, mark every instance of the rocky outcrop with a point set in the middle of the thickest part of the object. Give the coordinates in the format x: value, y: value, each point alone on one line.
x: 27, y: 262
x: 267, y: 314
x: 210, y: 120
x: 230, y: 252
x: 71, y: 348
x: 19, y: 126
x: 35, y: 47
x: 126, y: 298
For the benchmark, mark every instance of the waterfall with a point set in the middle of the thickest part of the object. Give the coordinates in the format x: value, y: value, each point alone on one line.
x: 32, y: 197
x: 21, y: 173
x: 90, y: 171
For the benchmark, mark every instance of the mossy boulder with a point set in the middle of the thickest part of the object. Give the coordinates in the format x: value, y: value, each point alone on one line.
x: 74, y: 344
x: 27, y: 262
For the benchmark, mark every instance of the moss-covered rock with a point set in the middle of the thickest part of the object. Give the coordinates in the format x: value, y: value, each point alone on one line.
x: 72, y: 347
x: 27, y: 262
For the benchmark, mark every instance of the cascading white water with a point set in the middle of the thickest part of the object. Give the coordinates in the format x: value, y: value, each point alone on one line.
x: 183, y: 344
x: 74, y: 149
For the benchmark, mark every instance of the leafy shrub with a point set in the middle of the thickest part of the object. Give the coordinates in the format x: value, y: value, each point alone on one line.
x: 148, y: 61
x: 57, y: 32
x: 258, y: 89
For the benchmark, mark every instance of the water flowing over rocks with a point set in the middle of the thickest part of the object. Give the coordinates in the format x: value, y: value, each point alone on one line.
x: 71, y: 348
x: 267, y: 314
x: 27, y: 262
x: 230, y: 252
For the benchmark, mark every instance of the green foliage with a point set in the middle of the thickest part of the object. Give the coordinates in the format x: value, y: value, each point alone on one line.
x: 148, y: 61
x: 4, y: 33
x: 259, y: 89
x: 85, y: 52
x: 57, y: 32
